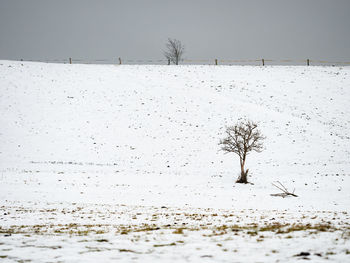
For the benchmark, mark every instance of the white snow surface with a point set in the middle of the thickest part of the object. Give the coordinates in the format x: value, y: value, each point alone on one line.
x: 146, y: 137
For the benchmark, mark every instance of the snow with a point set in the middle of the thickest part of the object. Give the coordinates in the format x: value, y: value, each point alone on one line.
x: 129, y: 140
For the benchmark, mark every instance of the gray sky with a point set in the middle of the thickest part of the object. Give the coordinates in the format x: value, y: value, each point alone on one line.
x: 131, y: 29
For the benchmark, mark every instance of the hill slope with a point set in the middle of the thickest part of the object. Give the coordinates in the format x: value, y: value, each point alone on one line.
x: 101, y: 163
x: 148, y: 135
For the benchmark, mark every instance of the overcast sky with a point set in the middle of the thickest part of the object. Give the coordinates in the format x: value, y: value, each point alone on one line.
x: 136, y: 29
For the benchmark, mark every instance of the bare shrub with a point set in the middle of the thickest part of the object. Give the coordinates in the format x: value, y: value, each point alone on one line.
x: 241, y: 139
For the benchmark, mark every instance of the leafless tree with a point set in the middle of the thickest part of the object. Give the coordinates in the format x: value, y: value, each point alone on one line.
x: 174, y: 50
x: 241, y: 139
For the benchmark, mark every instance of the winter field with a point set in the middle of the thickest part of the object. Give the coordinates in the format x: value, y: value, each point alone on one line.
x: 105, y: 163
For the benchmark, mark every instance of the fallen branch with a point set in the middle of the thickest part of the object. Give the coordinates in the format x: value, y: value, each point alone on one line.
x: 284, y: 190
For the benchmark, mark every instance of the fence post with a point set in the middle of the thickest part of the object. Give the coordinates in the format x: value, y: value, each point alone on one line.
x: 263, y: 62
x: 120, y: 61
x: 308, y: 62
x: 216, y: 61
x: 168, y: 61
x: 70, y: 60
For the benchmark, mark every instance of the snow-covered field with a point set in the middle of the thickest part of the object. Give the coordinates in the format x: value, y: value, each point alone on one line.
x: 105, y: 163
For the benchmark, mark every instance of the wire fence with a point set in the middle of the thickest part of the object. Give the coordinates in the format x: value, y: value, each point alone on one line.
x: 257, y: 62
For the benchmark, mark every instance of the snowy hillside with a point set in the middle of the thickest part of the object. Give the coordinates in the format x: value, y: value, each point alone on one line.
x: 148, y: 136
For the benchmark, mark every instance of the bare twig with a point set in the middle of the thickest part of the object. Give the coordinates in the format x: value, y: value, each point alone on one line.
x: 284, y: 190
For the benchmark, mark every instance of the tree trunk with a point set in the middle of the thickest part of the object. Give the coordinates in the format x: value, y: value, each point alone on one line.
x: 243, y: 179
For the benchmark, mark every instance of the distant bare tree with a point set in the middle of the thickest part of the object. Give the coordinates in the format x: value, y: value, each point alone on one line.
x: 174, y: 50
x: 241, y: 139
